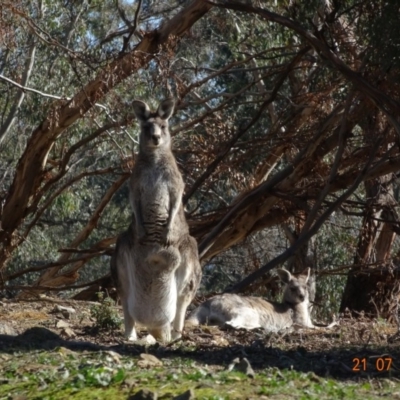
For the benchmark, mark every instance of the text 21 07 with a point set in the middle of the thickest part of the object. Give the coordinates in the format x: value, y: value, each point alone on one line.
x: 381, y: 364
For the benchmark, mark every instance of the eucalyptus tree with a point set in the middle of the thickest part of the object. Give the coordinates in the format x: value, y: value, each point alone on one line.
x: 286, y: 112
x: 68, y: 145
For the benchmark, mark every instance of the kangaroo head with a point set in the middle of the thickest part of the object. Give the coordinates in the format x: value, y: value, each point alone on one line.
x: 295, y: 291
x: 154, y: 125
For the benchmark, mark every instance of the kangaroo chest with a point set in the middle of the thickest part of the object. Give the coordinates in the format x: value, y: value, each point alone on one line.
x: 154, y: 191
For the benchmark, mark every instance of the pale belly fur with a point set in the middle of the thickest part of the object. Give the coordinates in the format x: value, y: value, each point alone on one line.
x: 152, y: 303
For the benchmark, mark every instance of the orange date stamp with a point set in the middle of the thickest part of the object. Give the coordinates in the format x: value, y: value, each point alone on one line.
x: 380, y: 364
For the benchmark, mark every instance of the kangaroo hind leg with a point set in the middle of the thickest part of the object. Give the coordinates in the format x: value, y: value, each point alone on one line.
x: 179, y: 321
x: 161, y: 333
x: 129, y: 323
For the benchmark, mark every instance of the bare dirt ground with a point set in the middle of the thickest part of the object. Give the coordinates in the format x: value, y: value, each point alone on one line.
x: 338, y: 352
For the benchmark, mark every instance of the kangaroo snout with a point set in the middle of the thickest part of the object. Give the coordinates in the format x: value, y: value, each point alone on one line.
x: 156, y: 139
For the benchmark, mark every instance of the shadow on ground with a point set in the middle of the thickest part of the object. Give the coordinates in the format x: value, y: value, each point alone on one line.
x: 319, y: 354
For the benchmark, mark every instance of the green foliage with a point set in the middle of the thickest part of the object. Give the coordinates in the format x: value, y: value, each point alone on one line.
x: 105, y: 314
x: 383, y: 32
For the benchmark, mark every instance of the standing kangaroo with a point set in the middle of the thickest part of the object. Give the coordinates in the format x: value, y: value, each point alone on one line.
x: 254, y: 312
x: 155, y: 265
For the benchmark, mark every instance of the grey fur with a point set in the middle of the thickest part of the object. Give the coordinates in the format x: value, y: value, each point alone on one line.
x: 156, y: 184
x: 155, y: 264
x: 255, y: 312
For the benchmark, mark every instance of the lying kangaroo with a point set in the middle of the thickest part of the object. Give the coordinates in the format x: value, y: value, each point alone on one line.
x: 155, y: 264
x: 254, y: 312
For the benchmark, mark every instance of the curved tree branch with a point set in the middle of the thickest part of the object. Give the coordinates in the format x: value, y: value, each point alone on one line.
x: 280, y: 81
x: 380, y: 99
x: 305, y: 236
x: 28, y: 175
x: 50, y: 276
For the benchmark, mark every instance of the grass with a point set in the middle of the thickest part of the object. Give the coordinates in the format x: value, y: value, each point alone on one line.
x: 43, y: 362
x: 65, y: 374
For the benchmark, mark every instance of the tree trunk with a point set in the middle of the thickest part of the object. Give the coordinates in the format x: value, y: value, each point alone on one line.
x: 373, y: 283
x: 303, y: 258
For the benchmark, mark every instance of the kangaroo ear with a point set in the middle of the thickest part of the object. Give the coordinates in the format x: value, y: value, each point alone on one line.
x: 284, y: 275
x: 141, y: 110
x: 166, y: 108
x: 306, y: 273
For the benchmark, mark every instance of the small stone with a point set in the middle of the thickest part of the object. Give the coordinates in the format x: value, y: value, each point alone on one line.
x: 148, y: 360
x: 188, y: 395
x: 220, y: 341
x: 63, y: 308
x: 65, y: 311
x: 62, y: 324
x: 68, y: 332
x: 65, y: 351
x: 7, y: 329
x: 144, y: 394
x: 115, y: 356
x: 313, y: 377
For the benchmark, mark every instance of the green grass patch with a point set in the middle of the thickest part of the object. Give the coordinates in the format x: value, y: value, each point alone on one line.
x: 64, y: 374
